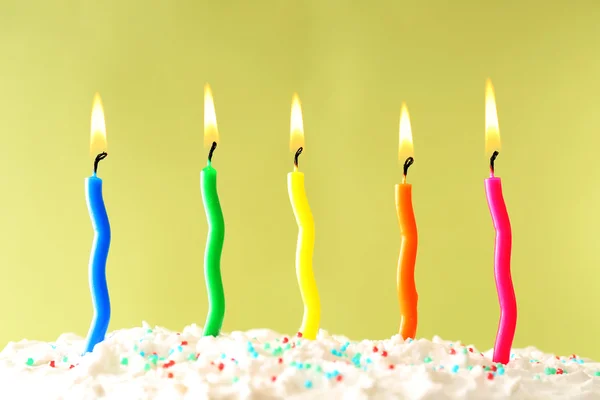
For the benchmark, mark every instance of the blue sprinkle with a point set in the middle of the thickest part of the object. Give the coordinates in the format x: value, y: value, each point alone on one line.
x: 500, y: 370
x: 409, y: 340
x: 171, y: 351
x: 254, y: 354
x: 308, y: 384
x: 334, y: 352
x: 368, y: 360
x: 328, y: 375
x: 142, y: 353
x: 223, y: 356
x: 336, y: 372
x: 345, y: 346
x: 300, y: 365
x: 179, y: 349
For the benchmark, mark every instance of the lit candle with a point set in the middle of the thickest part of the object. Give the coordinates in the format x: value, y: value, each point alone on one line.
x: 306, y: 230
x: 101, y: 244
x: 407, y: 292
x: 216, y: 224
x: 502, y: 250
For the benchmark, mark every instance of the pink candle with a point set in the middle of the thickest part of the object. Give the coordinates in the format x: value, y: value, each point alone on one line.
x: 503, y: 245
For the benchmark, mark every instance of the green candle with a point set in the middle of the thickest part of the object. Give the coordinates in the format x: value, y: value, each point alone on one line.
x: 216, y: 227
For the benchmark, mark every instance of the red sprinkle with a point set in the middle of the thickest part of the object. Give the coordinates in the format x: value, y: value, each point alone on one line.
x: 490, y: 376
x: 221, y: 366
x: 493, y: 368
x: 375, y: 349
x: 338, y: 378
x: 184, y: 343
x: 280, y: 360
x: 557, y: 357
x: 293, y: 345
x: 384, y: 353
x: 391, y: 366
x: 170, y: 375
x: 169, y: 364
x: 299, y: 334
x: 471, y: 349
x: 452, y: 351
x: 72, y: 366
x: 273, y: 378
x: 52, y: 364
x: 559, y: 371
x: 285, y: 340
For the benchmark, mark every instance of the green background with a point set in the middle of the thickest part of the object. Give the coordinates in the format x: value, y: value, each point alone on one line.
x: 352, y: 66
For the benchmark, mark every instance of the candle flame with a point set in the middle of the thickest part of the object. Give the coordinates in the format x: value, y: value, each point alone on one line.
x: 296, y: 125
x: 211, y: 133
x: 98, y: 142
x: 405, y: 145
x: 492, y: 131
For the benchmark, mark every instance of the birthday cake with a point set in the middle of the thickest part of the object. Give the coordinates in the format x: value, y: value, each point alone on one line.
x: 155, y: 363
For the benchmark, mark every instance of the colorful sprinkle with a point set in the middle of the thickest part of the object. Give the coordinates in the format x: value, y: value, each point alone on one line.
x: 29, y: 361
x: 550, y: 371
x: 455, y: 369
x: 124, y: 361
x: 427, y: 360
x: 308, y: 384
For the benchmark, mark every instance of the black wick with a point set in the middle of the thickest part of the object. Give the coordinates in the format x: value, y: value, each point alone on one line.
x: 212, y: 150
x: 298, y: 152
x: 99, y: 158
x: 409, y: 161
x: 492, y: 159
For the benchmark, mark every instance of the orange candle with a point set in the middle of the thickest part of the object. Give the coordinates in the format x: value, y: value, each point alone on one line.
x: 407, y: 292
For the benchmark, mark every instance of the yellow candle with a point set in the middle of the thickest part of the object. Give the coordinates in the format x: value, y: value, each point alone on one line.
x: 306, y: 230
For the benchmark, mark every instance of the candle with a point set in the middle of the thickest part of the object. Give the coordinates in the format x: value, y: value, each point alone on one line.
x: 216, y: 224
x: 101, y: 244
x: 306, y: 230
x: 407, y: 292
x: 493, y: 191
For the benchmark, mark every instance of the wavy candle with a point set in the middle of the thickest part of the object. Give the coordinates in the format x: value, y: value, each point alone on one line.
x: 216, y: 224
x: 407, y: 291
x: 306, y: 230
x: 101, y: 244
x: 502, y: 249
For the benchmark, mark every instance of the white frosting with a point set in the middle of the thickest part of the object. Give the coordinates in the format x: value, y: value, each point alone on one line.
x: 145, y: 363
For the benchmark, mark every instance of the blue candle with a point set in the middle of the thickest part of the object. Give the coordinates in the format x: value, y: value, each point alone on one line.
x: 101, y: 244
